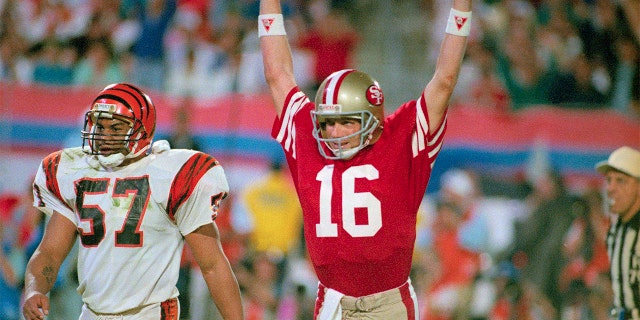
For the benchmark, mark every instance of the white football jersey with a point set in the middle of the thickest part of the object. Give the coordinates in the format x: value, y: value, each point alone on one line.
x: 131, y: 220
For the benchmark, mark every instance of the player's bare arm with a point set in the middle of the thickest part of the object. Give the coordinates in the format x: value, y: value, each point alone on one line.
x: 42, y: 269
x: 204, y: 242
x: 438, y: 91
x: 276, y: 53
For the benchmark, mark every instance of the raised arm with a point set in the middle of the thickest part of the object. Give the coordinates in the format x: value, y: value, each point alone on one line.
x: 438, y: 91
x: 276, y: 53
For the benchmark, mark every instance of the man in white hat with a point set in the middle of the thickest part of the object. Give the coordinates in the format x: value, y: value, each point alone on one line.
x: 622, y: 172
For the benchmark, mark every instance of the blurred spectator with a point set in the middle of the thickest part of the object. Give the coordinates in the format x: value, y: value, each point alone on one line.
x: 526, y: 75
x: 274, y: 211
x: 296, y: 304
x: 54, y: 63
x: 576, y: 303
x: 583, y: 265
x: 576, y: 88
x: 486, y: 230
x: 298, y: 288
x: 149, y: 68
x: 99, y: 67
x: 103, y: 19
x: 508, y: 293
x: 557, y: 36
x: 599, y: 24
x: 258, y: 279
x: 540, y: 238
x: 56, y: 21
x: 479, y: 84
x: 181, y: 136
x: 14, y: 65
x: 459, y: 187
x: 626, y: 77
x: 204, y: 66
x: 457, y: 266
x: 273, y: 226
x: 331, y: 39
x: 584, y: 246
x: 631, y: 12
x: 601, y: 296
x: 12, y: 260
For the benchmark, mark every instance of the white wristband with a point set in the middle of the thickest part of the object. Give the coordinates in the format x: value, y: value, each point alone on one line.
x: 459, y: 23
x: 271, y: 25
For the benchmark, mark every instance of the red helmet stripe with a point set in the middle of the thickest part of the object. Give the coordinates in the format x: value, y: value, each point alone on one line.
x: 134, y: 97
x: 331, y: 89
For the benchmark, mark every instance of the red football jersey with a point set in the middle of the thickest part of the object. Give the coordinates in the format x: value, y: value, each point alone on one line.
x: 360, y: 214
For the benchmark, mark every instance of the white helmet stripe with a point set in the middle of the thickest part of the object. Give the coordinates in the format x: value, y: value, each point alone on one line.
x: 330, y: 95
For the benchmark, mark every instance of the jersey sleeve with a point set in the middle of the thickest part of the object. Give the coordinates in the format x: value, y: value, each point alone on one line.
x: 283, y: 127
x: 201, y: 205
x: 422, y: 139
x: 46, y: 190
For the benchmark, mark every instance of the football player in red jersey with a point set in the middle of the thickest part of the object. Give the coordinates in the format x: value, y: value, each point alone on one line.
x: 360, y: 176
x: 132, y: 205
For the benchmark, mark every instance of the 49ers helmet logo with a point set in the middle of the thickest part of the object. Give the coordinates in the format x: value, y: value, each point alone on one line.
x: 374, y: 95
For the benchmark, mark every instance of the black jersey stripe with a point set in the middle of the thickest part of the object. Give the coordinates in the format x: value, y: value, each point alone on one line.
x: 623, y: 246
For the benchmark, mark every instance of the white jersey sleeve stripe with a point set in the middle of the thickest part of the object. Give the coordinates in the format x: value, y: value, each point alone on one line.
x: 422, y: 128
x: 414, y: 144
x: 434, y: 152
x: 293, y: 138
x: 437, y: 136
x: 436, y: 142
x: 295, y: 103
x: 421, y: 139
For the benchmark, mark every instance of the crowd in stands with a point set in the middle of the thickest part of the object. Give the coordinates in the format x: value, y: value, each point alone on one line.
x: 539, y: 254
x: 581, y: 54
x: 575, y: 54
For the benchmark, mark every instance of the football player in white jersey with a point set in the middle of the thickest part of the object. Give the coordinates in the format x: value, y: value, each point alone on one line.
x: 131, y: 204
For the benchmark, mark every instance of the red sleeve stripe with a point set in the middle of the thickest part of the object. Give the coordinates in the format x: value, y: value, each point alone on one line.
x: 50, y: 168
x: 186, y: 180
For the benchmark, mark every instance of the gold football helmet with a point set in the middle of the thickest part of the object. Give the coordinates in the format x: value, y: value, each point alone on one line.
x: 347, y: 94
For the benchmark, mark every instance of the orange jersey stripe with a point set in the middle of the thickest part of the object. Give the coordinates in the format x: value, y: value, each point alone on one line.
x: 50, y: 167
x: 186, y: 179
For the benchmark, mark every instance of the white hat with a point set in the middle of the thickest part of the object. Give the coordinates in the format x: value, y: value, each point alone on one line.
x: 457, y: 181
x: 623, y: 159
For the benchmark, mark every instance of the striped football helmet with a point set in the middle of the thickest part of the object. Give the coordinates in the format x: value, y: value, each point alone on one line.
x: 347, y: 94
x: 127, y: 103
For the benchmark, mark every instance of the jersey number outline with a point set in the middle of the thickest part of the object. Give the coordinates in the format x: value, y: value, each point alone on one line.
x: 129, y: 235
x: 350, y: 201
